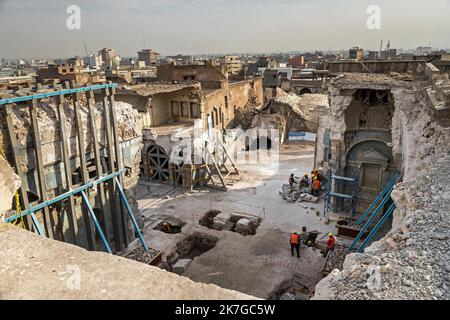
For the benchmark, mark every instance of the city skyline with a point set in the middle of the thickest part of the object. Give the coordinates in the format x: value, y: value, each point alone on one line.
x: 196, y: 27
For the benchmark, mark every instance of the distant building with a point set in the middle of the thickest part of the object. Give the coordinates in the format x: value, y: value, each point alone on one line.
x: 149, y: 56
x: 108, y: 56
x: 233, y: 64
x: 356, y: 53
x: 372, y: 55
x: 390, y: 54
x: 423, y: 50
x: 94, y: 61
x: 62, y: 73
x: 296, y: 61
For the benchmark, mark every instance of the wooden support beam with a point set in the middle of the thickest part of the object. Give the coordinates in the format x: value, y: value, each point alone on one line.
x: 228, y: 156
x: 114, y: 204
x: 71, y: 212
x: 83, y: 166
x: 39, y: 167
x: 215, y: 167
x: 118, y: 155
x: 98, y: 165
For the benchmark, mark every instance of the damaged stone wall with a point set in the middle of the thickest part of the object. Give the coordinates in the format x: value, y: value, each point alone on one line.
x: 129, y: 130
x: 411, y: 262
x: 9, y: 183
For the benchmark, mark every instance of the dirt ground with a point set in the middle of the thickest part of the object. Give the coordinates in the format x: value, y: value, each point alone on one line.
x: 260, y: 265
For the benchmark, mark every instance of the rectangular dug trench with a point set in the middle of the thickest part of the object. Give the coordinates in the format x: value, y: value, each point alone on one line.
x: 217, y: 220
x: 170, y: 225
x: 188, y: 249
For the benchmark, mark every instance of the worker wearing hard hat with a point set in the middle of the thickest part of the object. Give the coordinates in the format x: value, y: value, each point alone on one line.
x: 315, y: 191
x: 305, y: 182
x: 330, y: 243
x: 295, y: 244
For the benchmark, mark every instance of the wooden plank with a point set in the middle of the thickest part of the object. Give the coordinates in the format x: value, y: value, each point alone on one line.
x: 39, y: 167
x: 18, y: 165
x: 123, y: 217
x: 84, y: 174
x: 216, y: 167
x: 71, y: 213
x: 228, y: 156
x: 98, y: 165
x: 114, y: 204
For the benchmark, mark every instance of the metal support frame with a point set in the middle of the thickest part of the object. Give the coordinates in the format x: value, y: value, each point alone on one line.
x: 386, y: 189
x: 114, y: 185
x: 379, y: 208
x: 94, y: 219
x: 64, y: 196
x: 56, y: 93
x: 377, y: 227
x: 130, y: 213
x: 329, y: 193
x: 82, y: 190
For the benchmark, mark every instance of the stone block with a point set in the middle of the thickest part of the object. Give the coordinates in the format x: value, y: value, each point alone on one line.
x: 243, y: 226
x: 222, y: 221
x: 181, y: 266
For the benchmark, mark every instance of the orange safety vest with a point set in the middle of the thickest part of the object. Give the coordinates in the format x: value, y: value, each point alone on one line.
x: 316, y: 184
x: 330, y: 242
x: 295, y: 239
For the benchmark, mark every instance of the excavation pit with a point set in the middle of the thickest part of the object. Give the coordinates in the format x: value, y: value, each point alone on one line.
x: 208, y: 218
x: 190, y: 248
x: 195, y: 245
x: 170, y: 227
x: 293, y: 290
x: 244, y: 225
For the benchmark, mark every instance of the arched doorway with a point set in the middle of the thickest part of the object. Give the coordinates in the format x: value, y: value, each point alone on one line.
x: 305, y: 90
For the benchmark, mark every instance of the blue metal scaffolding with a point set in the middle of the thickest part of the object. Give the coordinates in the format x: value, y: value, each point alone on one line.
x: 329, y: 193
x: 114, y: 179
x: 81, y: 190
x: 373, y: 211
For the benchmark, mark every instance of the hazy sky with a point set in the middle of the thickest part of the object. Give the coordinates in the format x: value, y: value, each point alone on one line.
x: 37, y: 28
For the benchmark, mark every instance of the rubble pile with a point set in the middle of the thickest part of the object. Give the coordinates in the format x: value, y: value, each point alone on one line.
x: 140, y: 255
x: 243, y: 118
x: 335, y: 259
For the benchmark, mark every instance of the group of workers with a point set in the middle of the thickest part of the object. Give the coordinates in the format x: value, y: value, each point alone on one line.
x: 305, y: 182
x: 295, y: 243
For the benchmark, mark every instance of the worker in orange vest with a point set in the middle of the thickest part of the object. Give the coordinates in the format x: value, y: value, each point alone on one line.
x: 295, y: 244
x: 316, y: 187
x: 330, y: 243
